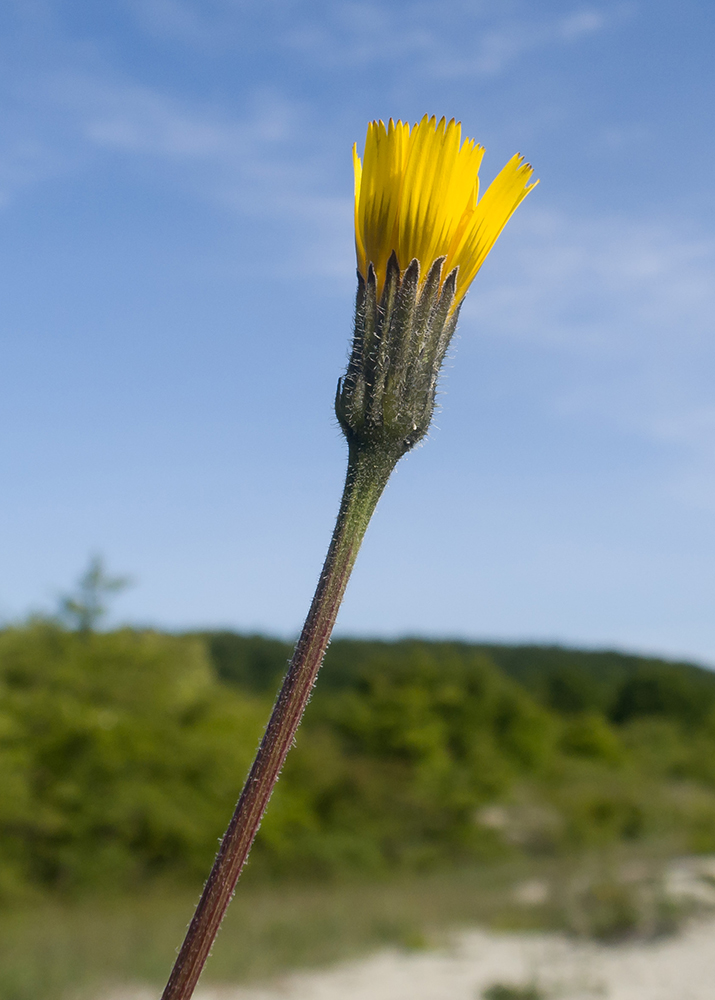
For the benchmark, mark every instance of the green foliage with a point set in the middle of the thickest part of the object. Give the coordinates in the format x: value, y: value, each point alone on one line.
x: 666, y: 691
x: 119, y: 756
x: 505, y: 991
x: 251, y: 662
x: 122, y: 755
x: 588, y: 735
x: 390, y: 771
x: 619, y: 686
x: 87, y: 606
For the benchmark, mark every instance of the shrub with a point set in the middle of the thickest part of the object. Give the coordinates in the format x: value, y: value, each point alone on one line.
x: 120, y: 755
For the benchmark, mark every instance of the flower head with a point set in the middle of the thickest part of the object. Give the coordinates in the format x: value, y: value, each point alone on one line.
x: 417, y: 196
x: 421, y: 233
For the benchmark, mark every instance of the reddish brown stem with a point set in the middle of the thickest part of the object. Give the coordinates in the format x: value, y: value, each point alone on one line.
x: 366, y: 479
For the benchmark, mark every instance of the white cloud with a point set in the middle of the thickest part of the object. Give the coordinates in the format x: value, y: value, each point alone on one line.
x: 128, y: 117
x: 207, y: 24
x: 74, y: 104
x: 488, y: 42
x: 581, y: 22
x: 357, y: 34
x: 622, y: 283
x: 260, y: 159
x: 23, y: 161
x: 31, y: 151
x: 176, y: 20
x: 627, y: 309
x: 495, y: 49
x: 252, y: 165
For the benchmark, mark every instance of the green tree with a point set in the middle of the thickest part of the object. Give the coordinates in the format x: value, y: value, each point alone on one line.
x: 83, y: 609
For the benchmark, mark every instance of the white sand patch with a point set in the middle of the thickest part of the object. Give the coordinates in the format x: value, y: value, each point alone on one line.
x: 681, y: 968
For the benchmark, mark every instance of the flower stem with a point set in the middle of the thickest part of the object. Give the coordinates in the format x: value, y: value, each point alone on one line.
x: 367, y: 475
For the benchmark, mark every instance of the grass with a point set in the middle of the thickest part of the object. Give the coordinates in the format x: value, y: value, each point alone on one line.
x: 54, y: 951
x: 51, y: 949
x: 504, y: 991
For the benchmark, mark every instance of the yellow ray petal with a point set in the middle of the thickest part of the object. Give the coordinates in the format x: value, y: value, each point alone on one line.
x: 416, y: 194
x: 491, y: 214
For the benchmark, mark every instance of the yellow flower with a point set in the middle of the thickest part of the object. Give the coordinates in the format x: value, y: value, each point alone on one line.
x: 416, y: 194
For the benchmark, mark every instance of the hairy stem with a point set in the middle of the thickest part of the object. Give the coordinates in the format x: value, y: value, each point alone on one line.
x: 367, y: 477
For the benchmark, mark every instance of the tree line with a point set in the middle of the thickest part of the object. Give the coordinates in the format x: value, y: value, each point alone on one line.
x: 122, y: 754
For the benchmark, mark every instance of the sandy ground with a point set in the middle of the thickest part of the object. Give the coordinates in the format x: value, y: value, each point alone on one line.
x: 676, y: 968
x: 681, y: 968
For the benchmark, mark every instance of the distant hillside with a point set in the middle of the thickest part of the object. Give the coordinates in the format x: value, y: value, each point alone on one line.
x: 122, y: 755
x: 619, y: 685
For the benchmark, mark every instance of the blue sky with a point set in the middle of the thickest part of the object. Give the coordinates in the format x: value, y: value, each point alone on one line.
x: 177, y: 287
